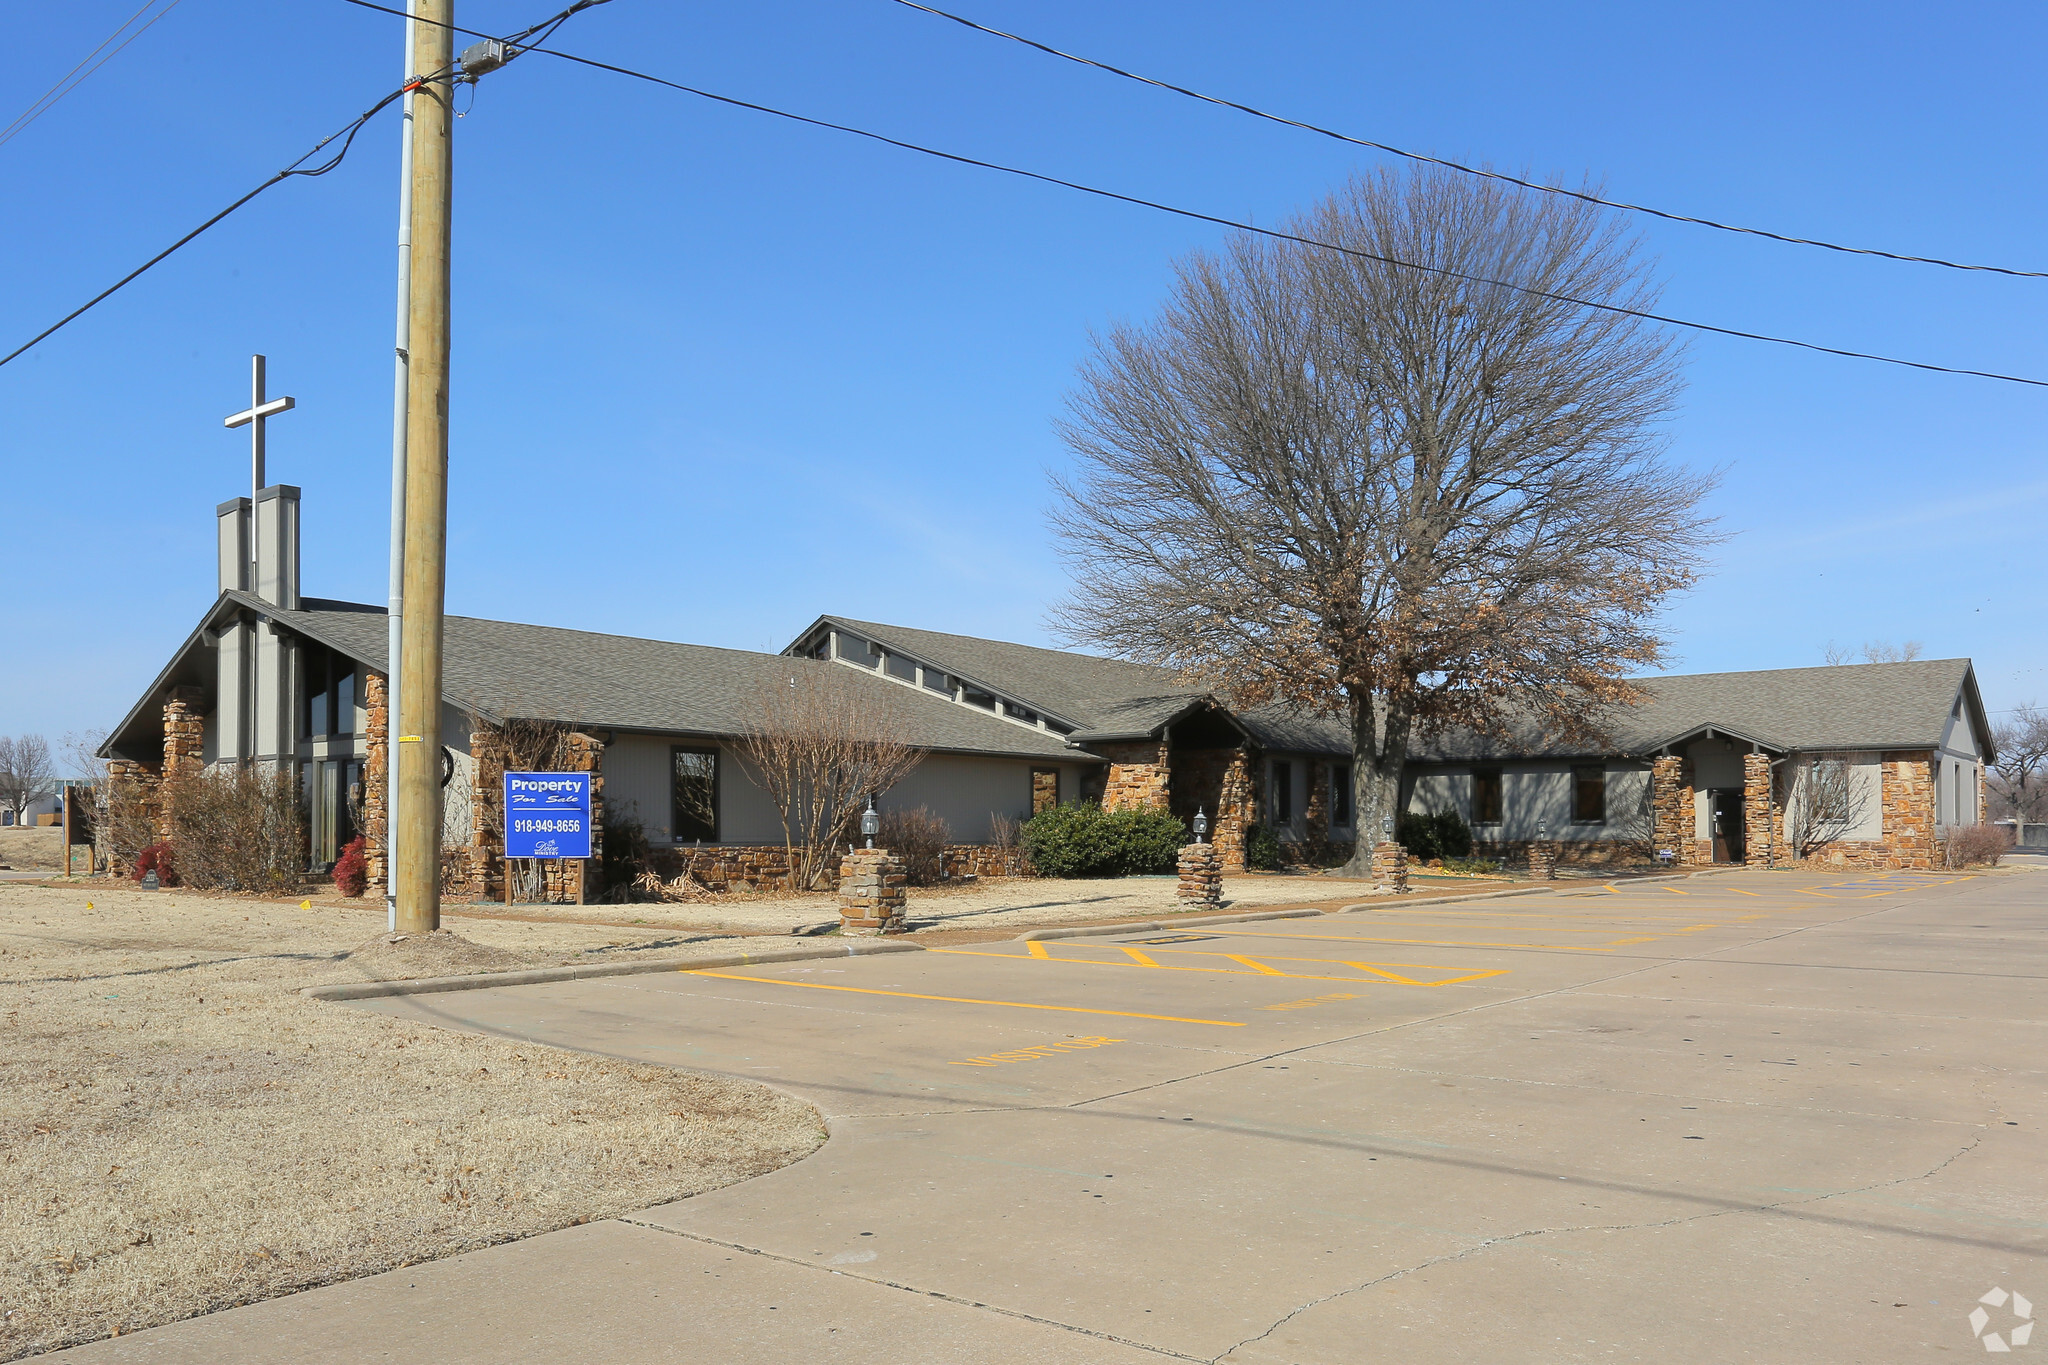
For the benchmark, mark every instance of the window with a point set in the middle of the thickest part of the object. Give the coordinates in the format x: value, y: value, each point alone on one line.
x: 1340, y: 795
x: 1023, y: 713
x: 1589, y: 795
x: 1486, y: 796
x: 853, y: 649
x: 936, y: 681
x: 977, y: 698
x: 1282, y: 803
x: 1058, y: 728
x: 1045, y: 789
x: 693, y: 794
x: 900, y: 667
x: 1828, y: 789
x: 328, y: 705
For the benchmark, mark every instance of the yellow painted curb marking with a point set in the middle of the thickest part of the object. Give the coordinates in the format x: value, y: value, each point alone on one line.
x: 964, y: 1000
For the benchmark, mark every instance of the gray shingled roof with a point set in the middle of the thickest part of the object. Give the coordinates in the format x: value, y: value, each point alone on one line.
x: 501, y: 668
x: 1849, y: 706
x: 1085, y: 690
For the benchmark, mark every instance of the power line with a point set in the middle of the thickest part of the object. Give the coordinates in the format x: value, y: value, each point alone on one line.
x: 346, y: 133
x: 77, y: 74
x: 1245, y: 227
x: 1459, y: 166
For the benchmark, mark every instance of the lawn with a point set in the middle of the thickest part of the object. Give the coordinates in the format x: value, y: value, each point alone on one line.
x: 184, y: 1131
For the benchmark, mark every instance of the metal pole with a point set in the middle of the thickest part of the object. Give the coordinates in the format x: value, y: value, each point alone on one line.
x: 394, y: 642
x: 418, y: 746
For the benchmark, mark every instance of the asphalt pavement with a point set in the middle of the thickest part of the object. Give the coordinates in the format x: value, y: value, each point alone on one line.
x: 1747, y: 1117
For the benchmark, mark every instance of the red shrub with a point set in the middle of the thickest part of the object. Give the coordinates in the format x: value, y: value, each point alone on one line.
x: 157, y: 856
x: 352, y: 869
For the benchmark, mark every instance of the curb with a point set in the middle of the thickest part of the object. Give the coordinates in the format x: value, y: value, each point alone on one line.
x: 429, y: 985
x: 1154, y: 926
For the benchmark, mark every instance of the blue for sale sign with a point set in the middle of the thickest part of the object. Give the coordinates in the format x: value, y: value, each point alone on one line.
x: 547, y: 815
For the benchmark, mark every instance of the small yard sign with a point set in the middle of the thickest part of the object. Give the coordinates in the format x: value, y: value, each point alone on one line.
x: 547, y: 815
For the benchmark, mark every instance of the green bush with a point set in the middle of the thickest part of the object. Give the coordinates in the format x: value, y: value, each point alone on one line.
x: 1488, y: 865
x: 1087, y: 841
x: 1439, y: 834
x: 1262, y: 849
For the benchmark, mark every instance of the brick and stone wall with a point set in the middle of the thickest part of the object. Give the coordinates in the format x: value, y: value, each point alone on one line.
x: 184, y: 748
x: 1573, y: 852
x: 1221, y: 783
x: 1906, y: 798
x: 1139, y: 776
x: 1761, y: 844
x: 376, y: 766
x: 483, y: 864
x: 1390, y: 866
x: 1671, y: 808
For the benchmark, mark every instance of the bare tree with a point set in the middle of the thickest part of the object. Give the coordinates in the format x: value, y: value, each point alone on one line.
x: 1413, y: 499
x: 26, y: 775
x: 1824, y: 801
x: 820, y: 742
x: 2021, y: 769
x: 1885, y: 652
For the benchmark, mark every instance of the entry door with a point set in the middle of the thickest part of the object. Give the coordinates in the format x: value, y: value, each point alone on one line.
x: 1728, y: 841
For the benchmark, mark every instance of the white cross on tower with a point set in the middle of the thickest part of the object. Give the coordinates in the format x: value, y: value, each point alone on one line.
x: 253, y: 419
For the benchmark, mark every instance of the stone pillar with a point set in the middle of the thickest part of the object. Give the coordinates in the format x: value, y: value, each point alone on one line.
x: 377, y: 703
x: 1907, y: 781
x: 184, y: 748
x: 1671, y: 808
x: 1201, y: 876
x: 1390, y: 866
x: 1237, y: 809
x: 1759, y: 840
x: 1542, y: 860
x: 871, y: 885
x: 586, y: 755
x: 129, y: 782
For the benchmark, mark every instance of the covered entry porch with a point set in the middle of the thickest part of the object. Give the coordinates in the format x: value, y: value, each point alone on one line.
x: 1712, y: 796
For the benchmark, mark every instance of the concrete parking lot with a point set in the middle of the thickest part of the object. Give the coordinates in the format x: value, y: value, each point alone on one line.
x: 1747, y: 1117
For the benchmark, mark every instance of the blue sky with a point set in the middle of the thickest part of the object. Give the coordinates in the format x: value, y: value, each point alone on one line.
x: 715, y: 373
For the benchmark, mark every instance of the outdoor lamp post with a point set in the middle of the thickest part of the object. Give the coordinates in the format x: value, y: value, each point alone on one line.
x: 1387, y: 826
x: 1542, y: 829
x: 1201, y: 826
x: 870, y: 823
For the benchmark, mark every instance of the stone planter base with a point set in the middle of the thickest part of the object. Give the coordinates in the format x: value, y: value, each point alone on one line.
x: 1543, y: 862
x: 1390, y: 866
x: 1201, y: 875
x: 871, y: 883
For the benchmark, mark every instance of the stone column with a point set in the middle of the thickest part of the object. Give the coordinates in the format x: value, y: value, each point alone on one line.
x: 586, y: 755
x: 1237, y: 809
x: 1671, y: 808
x: 1759, y: 841
x: 1139, y: 777
x: 377, y: 703
x: 1542, y: 860
x: 1390, y: 866
x: 1201, y: 876
x: 129, y: 782
x: 184, y: 748
x: 871, y: 885
x: 1907, y: 789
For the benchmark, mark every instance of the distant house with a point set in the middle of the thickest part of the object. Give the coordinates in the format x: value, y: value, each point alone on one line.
x: 1858, y: 764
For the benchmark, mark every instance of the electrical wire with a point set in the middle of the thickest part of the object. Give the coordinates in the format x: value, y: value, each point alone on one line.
x: 346, y: 133
x: 1459, y: 166
x: 77, y: 74
x: 1246, y: 227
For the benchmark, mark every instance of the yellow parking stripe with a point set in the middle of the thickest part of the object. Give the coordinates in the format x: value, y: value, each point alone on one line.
x: 964, y: 1000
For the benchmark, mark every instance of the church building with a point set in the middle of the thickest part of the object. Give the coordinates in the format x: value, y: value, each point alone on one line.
x: 1862, y: 765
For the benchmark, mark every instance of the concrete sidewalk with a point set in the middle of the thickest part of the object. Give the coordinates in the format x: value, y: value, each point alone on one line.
x: 1758, y: 1117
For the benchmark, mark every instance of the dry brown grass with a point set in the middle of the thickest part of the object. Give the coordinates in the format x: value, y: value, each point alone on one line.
x: 181, y: 1131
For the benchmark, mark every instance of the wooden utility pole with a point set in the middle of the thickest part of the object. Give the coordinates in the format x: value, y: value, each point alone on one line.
x: 417, y: 847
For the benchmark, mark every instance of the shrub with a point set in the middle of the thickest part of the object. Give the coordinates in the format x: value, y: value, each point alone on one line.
x: 352, y: 869
x: 1473, y: 864
x: 1968, y: 844
x: 1262, y: 849
x: 1437, y: 834
x: 625, y: 858
x: 238, y: 829
x: 919, y: 838
x: 160, y: 858
x: 1087, y: 841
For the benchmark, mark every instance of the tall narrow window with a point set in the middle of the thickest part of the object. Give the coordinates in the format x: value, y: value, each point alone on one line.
x: 1589, y: 795
x: 1340, y: 795
x: 1045, y: 789
x: 1486, y: 796
x: 1283, y: 792
x: 693, y: 794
